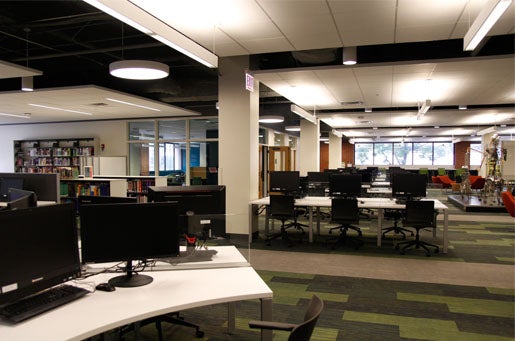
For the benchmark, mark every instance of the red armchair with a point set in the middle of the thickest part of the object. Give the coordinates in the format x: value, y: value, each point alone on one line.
x: 509, y: 202
x: 446, y: 181
x: 476, y: 182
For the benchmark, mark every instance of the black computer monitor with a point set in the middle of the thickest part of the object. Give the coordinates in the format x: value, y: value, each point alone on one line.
x: 38, y: 249
x: 284, y: 181
x: 408, y: 186
x: 126, y: 232
x: 20, y: 199
x: 196, y: 203
x: 366, y: 176
x: 345, y: 185
x: 318, y: 177
x: 9, y: 182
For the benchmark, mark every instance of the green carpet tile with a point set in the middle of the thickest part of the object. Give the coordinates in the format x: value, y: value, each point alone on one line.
x: 469, y: 241
x: 363, y: 309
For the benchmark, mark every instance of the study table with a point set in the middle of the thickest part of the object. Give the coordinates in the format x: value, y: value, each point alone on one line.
x: 170, y: 291
x: 315, y: 203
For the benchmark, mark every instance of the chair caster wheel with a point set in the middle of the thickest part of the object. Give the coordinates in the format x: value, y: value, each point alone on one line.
x: 428, y: 254
x: 403, y: 252
x: 397, y: 247
x: 437, y: 250
x: 199, y: 334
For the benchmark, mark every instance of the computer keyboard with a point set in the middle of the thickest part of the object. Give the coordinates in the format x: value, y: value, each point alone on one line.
x: 39, y: 303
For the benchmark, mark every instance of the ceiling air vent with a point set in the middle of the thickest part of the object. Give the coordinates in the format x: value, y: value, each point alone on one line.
x: 99, y: 104
x: 352, y: 103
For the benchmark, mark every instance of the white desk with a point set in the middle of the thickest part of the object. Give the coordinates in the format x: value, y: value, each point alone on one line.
x: 40, y: 203
x: 170, y: 291
x: 372, y: 203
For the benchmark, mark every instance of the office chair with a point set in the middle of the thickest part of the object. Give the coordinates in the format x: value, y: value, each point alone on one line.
x: 173, y: 318
x: 301, y: 331
x: 282, y: 207
x: 419, y: 214
x: 396, y: 215
x: 345, y: 212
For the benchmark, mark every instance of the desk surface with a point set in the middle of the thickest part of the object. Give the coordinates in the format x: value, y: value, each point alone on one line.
x: 170, y: 291
x: 362, y: 202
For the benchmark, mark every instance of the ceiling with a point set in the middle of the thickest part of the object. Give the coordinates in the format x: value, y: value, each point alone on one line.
x: 296, y: 54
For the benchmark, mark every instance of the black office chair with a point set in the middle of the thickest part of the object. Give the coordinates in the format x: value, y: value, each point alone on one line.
x: 282, y: 207
x: 173, y: 318
x: 419, y: 214
x: 397, y: 216
x: 345, y: 212
x: 301, y: 331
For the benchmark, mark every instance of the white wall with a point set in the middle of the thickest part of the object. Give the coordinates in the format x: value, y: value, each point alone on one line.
x: 113, y: 134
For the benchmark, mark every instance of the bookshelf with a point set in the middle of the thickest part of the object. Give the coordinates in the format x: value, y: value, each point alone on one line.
x: 72, y: 188
x: 62, y: 156
x: 137, y: 186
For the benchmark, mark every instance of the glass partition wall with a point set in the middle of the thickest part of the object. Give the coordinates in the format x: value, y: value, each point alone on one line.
x: 184, y: 150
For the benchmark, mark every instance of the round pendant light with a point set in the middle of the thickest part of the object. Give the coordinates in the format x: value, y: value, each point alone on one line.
x: 138, y: 69
x: 271, y: 119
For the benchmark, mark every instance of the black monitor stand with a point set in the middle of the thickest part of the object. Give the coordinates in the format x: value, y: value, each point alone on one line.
x: 131, y: 278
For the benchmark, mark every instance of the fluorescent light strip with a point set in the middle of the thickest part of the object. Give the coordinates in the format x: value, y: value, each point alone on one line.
x: 184, y: 51
x: 13, y: 115
x: 54, y: 108
x: 118, y: 16
x: 485, y: 20
x: 134, y: 105
x: 132, y: 14
x: 303, y: 113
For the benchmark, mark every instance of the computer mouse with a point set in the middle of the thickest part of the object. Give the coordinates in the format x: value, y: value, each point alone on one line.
x: 105, y: 287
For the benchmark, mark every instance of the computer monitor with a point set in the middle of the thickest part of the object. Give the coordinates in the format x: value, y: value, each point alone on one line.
x: 38, y: 249
x: 9, y: 182
x: 366, y: 176
x: 19, y: 199
x: 195, y: 203
x: 45, y: 185
x: 318, y: 177
x: 345, y: 185
x: 128, y: 232
x: 284, y: 181
x: 408, y: 186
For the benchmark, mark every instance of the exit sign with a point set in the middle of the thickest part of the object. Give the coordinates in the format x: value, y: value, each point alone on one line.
x: 249, y: 82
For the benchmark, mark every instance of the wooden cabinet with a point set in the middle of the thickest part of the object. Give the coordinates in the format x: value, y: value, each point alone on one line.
x: 61, y: 156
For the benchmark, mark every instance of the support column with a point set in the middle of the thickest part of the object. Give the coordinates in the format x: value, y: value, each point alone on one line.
x: 309, y: 148
x: 238, y: 141
x: 335, y: 151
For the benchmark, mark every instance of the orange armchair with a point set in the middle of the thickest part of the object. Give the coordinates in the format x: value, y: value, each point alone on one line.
x: 509, y: 202
x: 446, y: 181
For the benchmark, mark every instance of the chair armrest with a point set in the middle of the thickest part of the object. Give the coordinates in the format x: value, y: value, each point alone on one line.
x: 271, y: 325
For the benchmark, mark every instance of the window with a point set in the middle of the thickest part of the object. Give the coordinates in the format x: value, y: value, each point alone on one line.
x: 422, y: 154
x: 364, y: 154
x: 177, y: 140
x: 404, y: 154
x: 172, y: 130
x: 476, y: 154
x: 144, y: 130
x: 443, y: 153
x: 383, y: 153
